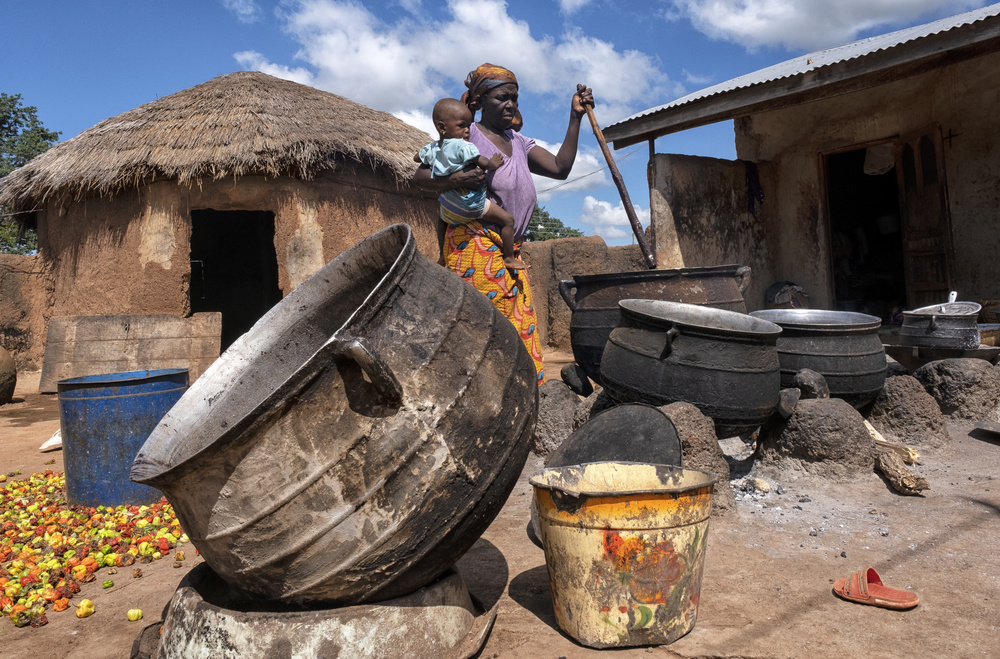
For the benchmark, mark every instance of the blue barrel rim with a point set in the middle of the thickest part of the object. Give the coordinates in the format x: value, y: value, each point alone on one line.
x: 123, y: 377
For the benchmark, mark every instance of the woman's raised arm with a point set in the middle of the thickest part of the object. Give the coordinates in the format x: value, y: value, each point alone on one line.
x: 558, y: 166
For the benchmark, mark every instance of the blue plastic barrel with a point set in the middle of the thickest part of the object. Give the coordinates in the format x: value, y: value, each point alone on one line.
x: 105, y: 420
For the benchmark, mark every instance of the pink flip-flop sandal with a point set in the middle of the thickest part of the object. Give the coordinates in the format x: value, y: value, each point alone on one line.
x: 866, y: 587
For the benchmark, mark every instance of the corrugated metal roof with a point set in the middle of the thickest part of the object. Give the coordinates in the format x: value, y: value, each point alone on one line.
x: 799, y: 66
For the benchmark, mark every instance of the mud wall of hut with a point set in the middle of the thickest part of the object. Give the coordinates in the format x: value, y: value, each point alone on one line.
x: 564, y: 258
x: 130, y: 253
x: 708, y: 212
x: 959, y: 98
x: 25, y: 297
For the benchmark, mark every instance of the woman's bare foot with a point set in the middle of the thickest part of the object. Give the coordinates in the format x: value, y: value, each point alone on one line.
x: 514, y: 264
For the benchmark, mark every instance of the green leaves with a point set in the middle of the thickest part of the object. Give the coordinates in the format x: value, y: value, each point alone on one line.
x: 545, y: 227
x: 22, y: 137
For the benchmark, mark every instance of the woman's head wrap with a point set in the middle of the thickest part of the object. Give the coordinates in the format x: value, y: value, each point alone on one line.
x: 483, y: 79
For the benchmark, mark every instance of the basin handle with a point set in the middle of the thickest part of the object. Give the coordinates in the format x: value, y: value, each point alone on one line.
x: 671, y: 336
x: 933, y: 324
x: 357, y: 349
x: 742, y: 278
x: 566, y: 289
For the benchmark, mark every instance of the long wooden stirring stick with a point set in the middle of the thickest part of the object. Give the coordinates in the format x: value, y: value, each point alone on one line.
x: 640, y: 235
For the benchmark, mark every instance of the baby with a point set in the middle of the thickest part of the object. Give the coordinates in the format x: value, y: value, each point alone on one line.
x: 453, y: 153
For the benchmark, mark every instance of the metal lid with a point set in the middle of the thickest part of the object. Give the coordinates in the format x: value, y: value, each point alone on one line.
x: 695, y: 316
x: 947, y: 309
x: 818, y: 319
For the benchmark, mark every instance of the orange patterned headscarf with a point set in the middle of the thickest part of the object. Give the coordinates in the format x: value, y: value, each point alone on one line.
x: 484, y: 78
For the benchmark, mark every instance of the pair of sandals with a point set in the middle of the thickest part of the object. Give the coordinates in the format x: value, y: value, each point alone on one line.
x: 866, y: 587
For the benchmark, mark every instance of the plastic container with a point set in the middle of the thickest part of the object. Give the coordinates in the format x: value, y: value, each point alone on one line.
x: 105, y: 419
x: 625, y: 546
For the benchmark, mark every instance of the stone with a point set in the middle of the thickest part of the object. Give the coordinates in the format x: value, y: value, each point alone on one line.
x: 963, y: 388
x: 811, y: 384
x: 787, y: 400
x: 824, y: 437
x: 8, y: 377
x: 593, y: 404
x: 557, y: 406
x: 576, y: 379
x: 701, y: 450
x: 904, y: 412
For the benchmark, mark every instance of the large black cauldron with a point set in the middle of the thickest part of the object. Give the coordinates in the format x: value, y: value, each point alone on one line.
x: 842, y: 346
x: 593, y: 299
x: 723, y: 362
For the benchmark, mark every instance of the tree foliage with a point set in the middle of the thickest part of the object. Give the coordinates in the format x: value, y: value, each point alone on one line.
x: 545, y: 227
x: 22, y: 137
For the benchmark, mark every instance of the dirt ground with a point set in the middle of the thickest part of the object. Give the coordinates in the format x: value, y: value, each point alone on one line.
x: 767, y: 579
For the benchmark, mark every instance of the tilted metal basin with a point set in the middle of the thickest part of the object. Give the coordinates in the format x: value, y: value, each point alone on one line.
x: 358, y: 439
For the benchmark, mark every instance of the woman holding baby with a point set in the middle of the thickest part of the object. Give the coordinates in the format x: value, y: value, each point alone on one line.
x: 474, y: 249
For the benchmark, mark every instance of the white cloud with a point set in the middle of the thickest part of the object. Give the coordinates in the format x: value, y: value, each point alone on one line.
x: 803, y: 24
x: 257, y: 62
x: 246, y: 11
x: 417, y: 119
x: 695, y: 79
x: 610, y: 222
x: 569, y: 7
x: 388, y: 65
x: 588, y: 173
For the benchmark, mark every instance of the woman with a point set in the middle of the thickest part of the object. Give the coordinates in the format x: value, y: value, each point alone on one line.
x: 473, y: 250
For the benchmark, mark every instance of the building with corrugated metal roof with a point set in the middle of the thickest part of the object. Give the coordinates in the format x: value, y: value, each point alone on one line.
x: 867, y: 174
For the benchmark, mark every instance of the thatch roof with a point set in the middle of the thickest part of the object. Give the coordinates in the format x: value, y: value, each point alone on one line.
x: 237, y: 124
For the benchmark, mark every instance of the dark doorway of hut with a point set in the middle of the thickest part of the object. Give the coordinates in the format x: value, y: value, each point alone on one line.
x: 234, y: 268
x: 866, y: 239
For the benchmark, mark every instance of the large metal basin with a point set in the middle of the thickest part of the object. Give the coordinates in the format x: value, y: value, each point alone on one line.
x: 723, y: 362
x: 842, y: 346
x: 593, y: 299
x: 358, y: 439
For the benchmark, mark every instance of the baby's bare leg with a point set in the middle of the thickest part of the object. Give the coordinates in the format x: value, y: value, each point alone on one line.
x: 505, y: 221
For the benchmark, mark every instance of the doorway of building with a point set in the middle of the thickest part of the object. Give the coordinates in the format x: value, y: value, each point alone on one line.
x: 866, y: 234
x: 234, y: 269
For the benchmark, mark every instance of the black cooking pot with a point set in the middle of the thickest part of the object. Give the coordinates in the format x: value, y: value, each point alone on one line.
x: 593, y: 299
x: 723, y: 362
x: 842, y: 346
x: 948, y: 325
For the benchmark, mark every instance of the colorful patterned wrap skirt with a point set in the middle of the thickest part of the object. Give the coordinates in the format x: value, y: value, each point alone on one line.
x: 475, y: 254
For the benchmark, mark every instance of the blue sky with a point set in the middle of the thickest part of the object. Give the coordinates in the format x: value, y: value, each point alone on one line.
x: 79, y: 63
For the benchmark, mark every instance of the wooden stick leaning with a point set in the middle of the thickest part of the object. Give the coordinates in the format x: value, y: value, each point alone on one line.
x: 640, y: 235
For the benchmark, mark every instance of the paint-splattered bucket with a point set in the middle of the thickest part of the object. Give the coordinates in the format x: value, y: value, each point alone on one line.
x: 624, y: 545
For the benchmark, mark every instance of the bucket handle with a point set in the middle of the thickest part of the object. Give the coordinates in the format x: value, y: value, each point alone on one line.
x: 671, y: 336
x: 566, y: 289
x: 742, y: 278
x: 358, y: 350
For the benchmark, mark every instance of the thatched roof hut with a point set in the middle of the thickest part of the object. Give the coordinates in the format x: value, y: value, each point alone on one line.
x: 219, y: 198
x: 234, y: 125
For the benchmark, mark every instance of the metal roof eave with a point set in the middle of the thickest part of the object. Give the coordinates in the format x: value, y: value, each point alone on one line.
x: 864, y: 72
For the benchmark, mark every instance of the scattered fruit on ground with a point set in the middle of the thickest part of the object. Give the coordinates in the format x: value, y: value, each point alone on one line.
x: 134, y: 614
x: 84, y: 609
x: 48, y: 548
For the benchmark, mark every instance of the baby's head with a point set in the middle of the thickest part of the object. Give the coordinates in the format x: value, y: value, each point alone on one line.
x: 452, y: 118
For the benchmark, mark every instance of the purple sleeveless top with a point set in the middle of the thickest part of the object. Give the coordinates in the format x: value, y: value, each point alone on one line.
x: 510, y: 185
